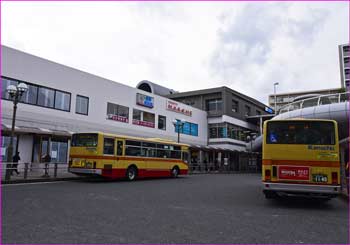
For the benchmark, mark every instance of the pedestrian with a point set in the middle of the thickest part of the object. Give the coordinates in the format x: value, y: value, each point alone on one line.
x: 47, y: 160
x: 15, y: 160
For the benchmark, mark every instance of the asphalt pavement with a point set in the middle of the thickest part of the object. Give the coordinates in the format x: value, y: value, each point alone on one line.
x: 217, y: 208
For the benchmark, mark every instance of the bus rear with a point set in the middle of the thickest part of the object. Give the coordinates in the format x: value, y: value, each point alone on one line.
x: 301, y: 157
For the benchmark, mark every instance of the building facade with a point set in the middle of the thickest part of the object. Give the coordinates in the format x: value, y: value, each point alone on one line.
x: 228, y: 122
x: 62, y: 100
x: 344, y: 62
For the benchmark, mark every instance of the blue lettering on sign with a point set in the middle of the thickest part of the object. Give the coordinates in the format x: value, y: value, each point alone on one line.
x: 269, y: 110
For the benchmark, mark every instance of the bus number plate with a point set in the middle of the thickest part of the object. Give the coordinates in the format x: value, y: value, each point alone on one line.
x: 319, y: 178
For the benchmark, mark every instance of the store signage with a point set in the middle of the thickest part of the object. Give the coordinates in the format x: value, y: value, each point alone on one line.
x: 173, y: 106
x: 268, y: 110
x: 144, y: 100
x: 293, y: 173
x: 143, y: 123
x: 117, y: 118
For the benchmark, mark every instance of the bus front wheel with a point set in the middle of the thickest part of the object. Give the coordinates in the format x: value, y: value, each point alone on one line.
x: 131, y: 173
x: 175, y: 172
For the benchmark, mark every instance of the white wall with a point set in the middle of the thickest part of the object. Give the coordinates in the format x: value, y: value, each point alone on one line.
x: 32, y: 69
x: 25, y: 147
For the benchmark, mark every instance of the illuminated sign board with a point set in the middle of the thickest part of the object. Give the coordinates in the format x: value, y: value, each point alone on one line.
x: 144, y: 100
x: 173, y: 106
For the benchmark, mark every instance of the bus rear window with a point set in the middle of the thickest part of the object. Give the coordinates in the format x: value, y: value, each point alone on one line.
x: 301, y: 132
x: 84, y: 140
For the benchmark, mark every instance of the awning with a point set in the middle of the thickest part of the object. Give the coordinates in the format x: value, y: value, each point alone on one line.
x: 34, y: 130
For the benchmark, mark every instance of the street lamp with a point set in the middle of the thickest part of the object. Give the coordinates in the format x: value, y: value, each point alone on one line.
x: 274, y: 89
x: 15, y: 93
x: 178, y: 124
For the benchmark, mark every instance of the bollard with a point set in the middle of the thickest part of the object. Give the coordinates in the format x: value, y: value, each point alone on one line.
x: 26, y: 170
x: 55, y: 171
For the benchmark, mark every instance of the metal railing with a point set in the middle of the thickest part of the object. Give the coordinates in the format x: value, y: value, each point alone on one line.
x: 30, y: 170
x: 316, y: 101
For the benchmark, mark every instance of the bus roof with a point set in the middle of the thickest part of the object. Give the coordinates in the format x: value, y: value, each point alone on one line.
x: 157, y: 140
x: 301, y: 119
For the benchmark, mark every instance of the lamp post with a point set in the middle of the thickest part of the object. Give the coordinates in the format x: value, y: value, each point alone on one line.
x: 178, y: 124
x: 274, y: 89
x: 15, y: 93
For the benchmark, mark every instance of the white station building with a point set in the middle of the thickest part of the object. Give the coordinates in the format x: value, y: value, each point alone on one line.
x: 62, y: 100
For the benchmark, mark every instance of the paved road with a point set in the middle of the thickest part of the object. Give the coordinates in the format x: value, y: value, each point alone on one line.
x: 195, y: 209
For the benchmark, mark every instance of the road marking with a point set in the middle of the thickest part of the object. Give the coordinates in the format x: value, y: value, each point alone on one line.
x: 36, y: 183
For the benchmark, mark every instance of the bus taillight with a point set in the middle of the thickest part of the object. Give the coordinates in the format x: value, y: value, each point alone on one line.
x: 267, y: 174
x: 334, y: 178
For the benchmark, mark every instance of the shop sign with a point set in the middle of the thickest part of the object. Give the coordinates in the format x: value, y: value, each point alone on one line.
x: 173, y: 106
x: 268, y: 110
x: 117, y: 118
x: 144, y: 100
x: 143, y: 123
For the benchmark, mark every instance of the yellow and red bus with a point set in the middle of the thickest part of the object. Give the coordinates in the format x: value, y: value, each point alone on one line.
x: 118, y: 156
x: 301, y: 157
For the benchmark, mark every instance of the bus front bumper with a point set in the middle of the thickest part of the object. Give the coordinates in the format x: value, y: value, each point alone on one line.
x: 301, y: 188
x: 85, y: 171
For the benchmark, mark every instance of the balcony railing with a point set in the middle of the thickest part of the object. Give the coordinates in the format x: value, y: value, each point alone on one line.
x: 316, y: 101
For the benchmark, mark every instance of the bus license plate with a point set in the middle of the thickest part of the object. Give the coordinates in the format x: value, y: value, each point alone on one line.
x: 320, y: 178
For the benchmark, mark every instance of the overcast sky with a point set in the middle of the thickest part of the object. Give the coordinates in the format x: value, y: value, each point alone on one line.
x: 246, y: 46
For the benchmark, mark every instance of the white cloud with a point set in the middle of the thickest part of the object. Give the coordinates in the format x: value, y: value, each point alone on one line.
x: 187, y: 45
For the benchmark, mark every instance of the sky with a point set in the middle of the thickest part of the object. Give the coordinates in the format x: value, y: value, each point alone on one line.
x: 247, y: 46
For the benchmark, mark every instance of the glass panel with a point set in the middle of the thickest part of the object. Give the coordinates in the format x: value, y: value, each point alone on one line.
x: 132, y: 151
x: 46, y: 97
x: 194, y: 129
x: 119, y: 148
x: 5, y: 83
x: 308, y: 132
x: 84, y: 140
x: 148, y: 117
x: 62, y: 101
x: 175, y: 154
x: 162, y: 122
x: 186, y: 129
x: 131, y: 142
x: 30, y: 96
x: 136, y: 114
x: 82, y: 104
x: 5, y: 141
x: 213, y: 132
x: 123, y: 111
x: 59, y: 151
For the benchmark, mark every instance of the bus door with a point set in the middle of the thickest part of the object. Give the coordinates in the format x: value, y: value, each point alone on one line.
x: 108, y: 160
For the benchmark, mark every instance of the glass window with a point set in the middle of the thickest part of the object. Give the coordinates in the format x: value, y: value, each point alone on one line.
x: 112, y: 109
x: 132, y: 151
x: 148, y: 117
x: 84, y: 140
x: 46, y: 97
x: 123, y: 111
x: 62, y: 101
x: 82, y: 105
x: 31, y: 95
x: 175, y: 154
x: 292, y: 132
x: 194, y: 129
x: 5, y: 83
x: 119, y: 148
x: 5, y: 142
x: 214, y: 105
x: 162, y: 122
x: 136, y: 114
x: 222, y: 131
x: 131, y: 142
x: 234, y: 105
x: 118, y: 112
x: 147, y: 144
x: 247, y: 110
x: 59, y: 151
x: 108, y: 146
x: 213, y: 131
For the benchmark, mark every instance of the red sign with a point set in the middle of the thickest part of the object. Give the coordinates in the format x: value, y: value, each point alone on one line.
x: 143, y: 123
x: 293, y: 173
x: 173, y: 106
x: 118, y: 118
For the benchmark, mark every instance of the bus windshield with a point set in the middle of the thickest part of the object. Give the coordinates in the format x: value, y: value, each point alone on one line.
x: 301, y: 132
x: 84, y: 140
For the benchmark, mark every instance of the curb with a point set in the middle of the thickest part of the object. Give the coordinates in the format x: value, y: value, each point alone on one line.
x: 41, y: 180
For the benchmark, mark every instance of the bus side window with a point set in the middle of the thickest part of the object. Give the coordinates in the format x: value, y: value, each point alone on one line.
x: 119, y: 148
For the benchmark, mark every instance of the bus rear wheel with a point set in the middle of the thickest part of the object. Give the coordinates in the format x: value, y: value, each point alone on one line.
x: 131, y: 173
x: 175, y: 172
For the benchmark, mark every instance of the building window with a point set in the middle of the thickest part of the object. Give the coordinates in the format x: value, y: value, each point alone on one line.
x: 143, y: 118
x: 214, y: 105
x: 188, y: 128
x: 46, y: 97
x: 117, y: 112
x: 62, y: 101
x: 82, y: 105
x: 247, y: 110
x: 161, y: 122
x: 31, y: 95
x: 235, y: 105
x: 5, y: 83
x: 346, y: 49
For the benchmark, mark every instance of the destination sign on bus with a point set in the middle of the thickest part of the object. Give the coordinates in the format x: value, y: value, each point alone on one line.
x: 293, y: 173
